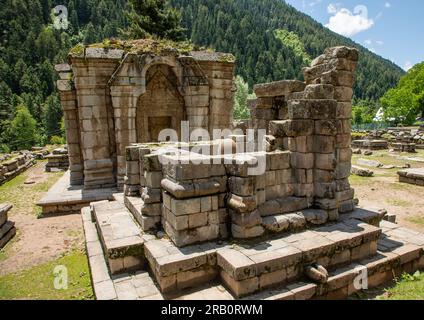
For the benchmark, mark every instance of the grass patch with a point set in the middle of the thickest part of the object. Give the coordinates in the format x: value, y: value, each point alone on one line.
x: 24, y: 197
x: 38, y: 283
x: 408, y: 287
x: 398, y: 203
x: 418, y: 220
x: 358, y: 180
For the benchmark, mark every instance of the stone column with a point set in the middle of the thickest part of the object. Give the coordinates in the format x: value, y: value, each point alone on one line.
x: 70, y: 113
x: 220, y: 76
x: 336, y: 67
x: 96, y: 120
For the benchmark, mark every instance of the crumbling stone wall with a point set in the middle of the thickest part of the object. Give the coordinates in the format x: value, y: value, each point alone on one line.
x: 308, y: 162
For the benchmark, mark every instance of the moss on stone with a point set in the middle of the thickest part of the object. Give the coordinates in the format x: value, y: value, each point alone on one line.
x: 141, y: 46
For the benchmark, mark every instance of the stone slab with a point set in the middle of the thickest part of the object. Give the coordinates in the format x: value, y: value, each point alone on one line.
x: 64, y: 198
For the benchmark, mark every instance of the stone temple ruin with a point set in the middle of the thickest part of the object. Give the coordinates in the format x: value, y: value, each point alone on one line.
x: 272, y: 217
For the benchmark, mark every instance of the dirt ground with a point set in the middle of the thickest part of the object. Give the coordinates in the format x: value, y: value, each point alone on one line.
x: 38, y: 240
x: 383, y: 191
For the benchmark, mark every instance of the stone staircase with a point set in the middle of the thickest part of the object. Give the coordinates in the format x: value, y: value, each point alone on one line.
x: 127, y: 263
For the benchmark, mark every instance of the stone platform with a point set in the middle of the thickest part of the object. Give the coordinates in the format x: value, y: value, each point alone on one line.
x: 412, y: 176
x: 63, y: 198
x: 269, y: 268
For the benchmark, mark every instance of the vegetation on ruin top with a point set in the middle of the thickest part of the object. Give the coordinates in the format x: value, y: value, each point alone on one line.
x: 159, y: 47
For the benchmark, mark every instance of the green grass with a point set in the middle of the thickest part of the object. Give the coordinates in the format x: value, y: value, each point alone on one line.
x: 399, y: 203
x: 24, y: 197
x: 418, y: 220
x: 409, y: 287
x: 358, y: 180
x: 38, y: 283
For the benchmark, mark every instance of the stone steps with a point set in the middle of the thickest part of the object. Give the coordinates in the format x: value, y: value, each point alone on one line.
x: 120, y: 236
x: 135, y: 205
x: 195, y: 272
x: 249, y: 267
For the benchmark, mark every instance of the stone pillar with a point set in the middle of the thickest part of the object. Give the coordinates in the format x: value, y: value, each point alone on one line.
x: 95, y: 115
x: 336, y: 67
x: 197, y: 106
x: 70, y: 113
x: 220, y: 76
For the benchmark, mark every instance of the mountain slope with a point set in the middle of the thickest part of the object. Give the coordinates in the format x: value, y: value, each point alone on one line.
x: 247, y: 28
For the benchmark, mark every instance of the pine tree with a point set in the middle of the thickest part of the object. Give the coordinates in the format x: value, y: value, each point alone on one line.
x: 23, y: 129
x: 241, y: 110
x: 153, y: 18
x: 52, y: 116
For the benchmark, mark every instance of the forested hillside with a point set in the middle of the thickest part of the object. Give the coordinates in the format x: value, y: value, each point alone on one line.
x: 249, y: 30
x: 270, y: 40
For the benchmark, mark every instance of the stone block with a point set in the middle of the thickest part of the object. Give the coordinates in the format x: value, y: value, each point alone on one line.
x: 319, y: 91
x: 302, y: 160
x: 186, y: 206
x: 247, y: 220
x: 197, y: 220
x: 242, y: 186
x: 153, y: 179
x: 324, y: 144
x: 278, y: 88
x: 326, y: 127
x: 325, y: 161
x: 239, y: 232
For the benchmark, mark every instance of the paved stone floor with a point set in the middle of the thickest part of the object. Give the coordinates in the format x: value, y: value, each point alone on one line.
x: 65, y: 197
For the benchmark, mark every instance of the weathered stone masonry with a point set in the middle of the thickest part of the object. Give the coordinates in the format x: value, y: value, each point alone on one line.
x: 294, y: 230
x: 112, y: 98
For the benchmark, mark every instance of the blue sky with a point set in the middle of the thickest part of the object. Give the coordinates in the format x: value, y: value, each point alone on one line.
x: 392, y: 29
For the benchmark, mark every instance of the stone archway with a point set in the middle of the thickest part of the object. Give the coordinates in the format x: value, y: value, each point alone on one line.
x: 161, y: 106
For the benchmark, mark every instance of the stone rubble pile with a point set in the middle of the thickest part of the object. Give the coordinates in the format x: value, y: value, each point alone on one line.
x: 18, y: 164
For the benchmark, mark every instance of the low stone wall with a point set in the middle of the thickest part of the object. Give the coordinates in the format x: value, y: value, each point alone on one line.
x: 11, y: 168
x: 370, y: 144
x: 57, y: 162
x: 412, y: 176
x: 7, y: 228
x: 404, y: 147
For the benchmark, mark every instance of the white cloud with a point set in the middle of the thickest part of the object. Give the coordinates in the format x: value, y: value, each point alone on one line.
x: 379, y: 42
x: 349, y: 23
x: 368, y: 41
x: 408, y: 65
x: 388, y: 5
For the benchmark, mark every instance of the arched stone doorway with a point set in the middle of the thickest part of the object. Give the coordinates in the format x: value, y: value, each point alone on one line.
x: 161, y: 106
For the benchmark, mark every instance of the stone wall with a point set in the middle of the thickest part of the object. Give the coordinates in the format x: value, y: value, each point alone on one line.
x: 197, y: 197
x: 11, y: 168
x: 112, y: 98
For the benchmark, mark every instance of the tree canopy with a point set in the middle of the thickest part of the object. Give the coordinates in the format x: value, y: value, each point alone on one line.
x: 153, y: 18
x: 405, y: 102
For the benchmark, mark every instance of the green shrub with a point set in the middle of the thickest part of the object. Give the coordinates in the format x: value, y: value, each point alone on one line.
x: 358, y: 135
x: 57, y: 140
